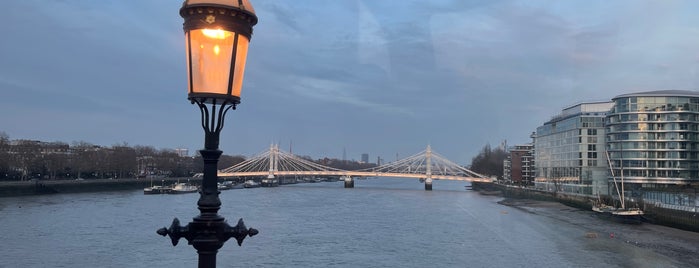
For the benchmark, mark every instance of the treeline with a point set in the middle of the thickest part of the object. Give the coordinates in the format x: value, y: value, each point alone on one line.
x: 27, y: 159
x: 489, y: 161
x: 343, y: 164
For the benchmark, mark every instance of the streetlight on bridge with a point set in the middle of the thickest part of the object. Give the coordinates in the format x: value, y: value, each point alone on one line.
x: 217, y: 33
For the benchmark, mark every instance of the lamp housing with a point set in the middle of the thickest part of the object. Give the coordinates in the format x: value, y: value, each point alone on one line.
x: 217, y: 34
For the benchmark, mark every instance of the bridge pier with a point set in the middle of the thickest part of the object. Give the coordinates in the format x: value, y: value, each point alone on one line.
x: 428, y: 184
x: 349, y: 182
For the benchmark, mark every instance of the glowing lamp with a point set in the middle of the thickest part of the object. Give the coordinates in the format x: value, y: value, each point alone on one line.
x: 217, y: 34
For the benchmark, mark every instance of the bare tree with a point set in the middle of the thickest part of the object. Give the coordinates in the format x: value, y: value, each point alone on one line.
x: 124, y: 160
x: 489, y: 161
x: 4, y: 155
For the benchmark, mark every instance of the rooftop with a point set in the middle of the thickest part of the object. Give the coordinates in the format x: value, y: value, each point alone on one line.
x: 661, y: 93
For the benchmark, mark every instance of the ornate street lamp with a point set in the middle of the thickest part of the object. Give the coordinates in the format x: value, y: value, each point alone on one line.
x: 217, y: 33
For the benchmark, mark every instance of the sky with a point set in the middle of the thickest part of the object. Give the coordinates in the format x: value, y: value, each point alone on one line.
x: 385, y: 78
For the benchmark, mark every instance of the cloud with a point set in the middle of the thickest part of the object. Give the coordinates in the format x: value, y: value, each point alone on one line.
x: 334, y: 91
x: 372, y: 46
x: 381, y: 75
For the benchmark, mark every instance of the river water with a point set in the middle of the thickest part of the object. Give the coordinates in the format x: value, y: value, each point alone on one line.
x: 380, y: 223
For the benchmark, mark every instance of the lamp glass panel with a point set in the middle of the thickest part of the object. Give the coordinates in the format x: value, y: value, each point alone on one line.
x: 210, y: 64
x: 240, y: 59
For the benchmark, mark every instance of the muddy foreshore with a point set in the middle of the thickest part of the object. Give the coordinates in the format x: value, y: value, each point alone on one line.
x: 679, y: 246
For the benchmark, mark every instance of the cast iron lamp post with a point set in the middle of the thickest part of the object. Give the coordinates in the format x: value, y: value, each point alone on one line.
x: 217, y: 33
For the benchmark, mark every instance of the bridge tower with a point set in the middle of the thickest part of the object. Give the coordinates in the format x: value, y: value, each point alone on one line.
x: 273, y: 165
x: 428, y: 168
x: 349, y: 181
x: 272, y: 161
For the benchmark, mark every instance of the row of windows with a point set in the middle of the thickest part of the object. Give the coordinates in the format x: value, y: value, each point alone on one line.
x: 587, y: 121
x: 653, y: 126
x: 660, y: 173
x: 652, y: 137
x: 681, y: 199
x: 568, y: 134
x: 629, y: 145
x: 630, y: 164
x: 568, y: 138
x: 656, y: 104
x: 558, y: 172
x: 571, y: 125
x: 656, y: 100
x: 654, y: 155
x: 558, y: 163
x: 653, y: 117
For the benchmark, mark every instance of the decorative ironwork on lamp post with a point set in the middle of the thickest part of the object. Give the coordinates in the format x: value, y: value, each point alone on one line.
x: 217, y: 34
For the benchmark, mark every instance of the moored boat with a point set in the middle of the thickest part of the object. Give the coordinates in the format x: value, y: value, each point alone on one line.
x: 622, y: 213
x: 270, y: 182
x: 226, y: 185
x: 238, y: 186
x: 183, y: 188
x: 251, y: 184
x: 155, y: 190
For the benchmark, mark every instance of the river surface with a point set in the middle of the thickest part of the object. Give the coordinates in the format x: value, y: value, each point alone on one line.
x: 380, y: 223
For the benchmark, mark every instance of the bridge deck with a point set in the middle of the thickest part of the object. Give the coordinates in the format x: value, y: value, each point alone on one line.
x: 351, y: 174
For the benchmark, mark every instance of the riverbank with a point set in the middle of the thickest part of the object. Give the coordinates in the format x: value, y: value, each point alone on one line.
x: 36, y: 187
x: 675, y: 244
x: 685, y: 220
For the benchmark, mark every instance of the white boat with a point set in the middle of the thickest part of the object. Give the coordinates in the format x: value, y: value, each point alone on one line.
x: 156, y: 190
x: 183, y: 188
x: 625, y: 215
x: 226, y: 185
x: 270, y: 181
x: 251, y: 184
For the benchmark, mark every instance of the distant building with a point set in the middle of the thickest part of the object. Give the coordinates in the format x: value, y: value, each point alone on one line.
x: 182, y: 152
x: 365, y: 158
x: 41, y: 147
x: 379, y: 161
x: 519, y: 165
x: 569, y: 152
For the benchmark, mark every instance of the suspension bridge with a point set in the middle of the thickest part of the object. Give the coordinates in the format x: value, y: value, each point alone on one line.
x: 425, y: 165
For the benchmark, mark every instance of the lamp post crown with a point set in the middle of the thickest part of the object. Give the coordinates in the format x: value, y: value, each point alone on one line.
x: 240, y: 4
x: 243, y: 6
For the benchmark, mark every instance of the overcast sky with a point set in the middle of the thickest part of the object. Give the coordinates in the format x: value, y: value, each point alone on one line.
x: 379, y: 77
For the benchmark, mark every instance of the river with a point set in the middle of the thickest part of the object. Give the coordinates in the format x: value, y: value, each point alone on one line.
x: 379, y: 223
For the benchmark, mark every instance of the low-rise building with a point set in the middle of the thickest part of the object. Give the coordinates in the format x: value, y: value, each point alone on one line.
x: 519, y: 165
